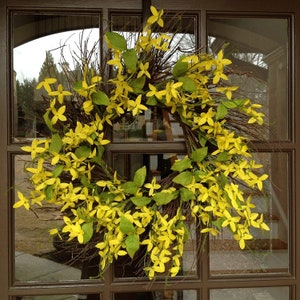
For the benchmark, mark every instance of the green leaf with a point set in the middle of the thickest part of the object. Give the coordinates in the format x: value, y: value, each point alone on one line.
x: 199, y: 174
x: 183, y: 178
x: 56, y: 143
x: 222, y: 180
x: 223, y: 156
x: 218, y: 223
x: 126, y: 226
x: 106, y: 196
x: 151, y: 101
x: 48, y: 121
x: 180, y: 68
x: 132, y: 243
x: 186, y: 194
x: 48, y: 192
x: 181, y: 225
x: 130, y: 59
x: 188, y: 84
x: 129, y: 187
x: 78, y: 86
x: 80, y: 214
x: 57, y: 170
x: 140, y: 201
x: 202, y: 141
x: 88, y: 230
x: 100, y: 151
x: 222, y: 112
x: 140, y: 176
x: 100, y: 98
x: 163, y: 198
x: 116, y: 40
x: 181, y: 165
x: 83, y: 151
x: 138, y: 84
x: 85, y: 181
x: 199, y: 154
x: 234, y: 103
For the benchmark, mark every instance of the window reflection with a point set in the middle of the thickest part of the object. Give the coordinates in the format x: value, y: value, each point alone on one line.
x: 258, y: 49
x: 268, y: 252
x: 159, y: 295
x: 260, y: 293
x: 153, y: 125
x: 47, y: 46
x: 40, y: 256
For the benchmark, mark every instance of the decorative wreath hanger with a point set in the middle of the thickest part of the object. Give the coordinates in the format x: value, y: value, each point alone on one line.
x: 208, y: 189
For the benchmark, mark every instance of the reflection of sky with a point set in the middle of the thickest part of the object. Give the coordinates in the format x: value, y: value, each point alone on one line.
x: 29, y: 57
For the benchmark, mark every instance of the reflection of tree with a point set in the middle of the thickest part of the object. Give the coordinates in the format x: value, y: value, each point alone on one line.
x: 30, y: 112
x: 49, y: 68
x: 25, y: 92
x: 31, y: 102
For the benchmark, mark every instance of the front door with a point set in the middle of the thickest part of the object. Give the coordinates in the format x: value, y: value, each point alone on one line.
x: 40, y: 39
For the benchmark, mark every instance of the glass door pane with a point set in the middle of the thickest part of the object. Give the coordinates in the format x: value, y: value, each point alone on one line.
x: 47, y: 46
x: 40, y: 256
x: 268, y: 252
x: 261, y: 293
x: 259, y: 50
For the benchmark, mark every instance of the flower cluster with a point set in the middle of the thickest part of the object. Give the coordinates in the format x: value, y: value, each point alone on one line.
x: 69, y: 168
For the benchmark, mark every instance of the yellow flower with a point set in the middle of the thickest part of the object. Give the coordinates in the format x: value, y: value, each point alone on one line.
x: 205, y: 117
x: 154, y: 92
x: 136, y: 106
x: 231, y: 221
x: 46, y: 84
x: 156, y: 17
x: 23, y: 201
x: 227, y: 90
x: 171, y: 90
x: 242, y: 235
x: 222, y: 61
x: 60, y: 93
x: 58, y: 114
x: 88, y: 106
x: 144, y: 70
x: 35, y: 149
x: 152, y: 186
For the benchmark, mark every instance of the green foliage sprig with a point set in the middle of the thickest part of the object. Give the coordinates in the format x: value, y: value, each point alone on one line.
x: 69, y: 168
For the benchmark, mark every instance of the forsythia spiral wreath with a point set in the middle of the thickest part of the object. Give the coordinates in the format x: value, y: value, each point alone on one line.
x: 206, y: 186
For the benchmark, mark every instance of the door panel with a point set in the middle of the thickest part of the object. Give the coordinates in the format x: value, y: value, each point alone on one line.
x: 34, y: 266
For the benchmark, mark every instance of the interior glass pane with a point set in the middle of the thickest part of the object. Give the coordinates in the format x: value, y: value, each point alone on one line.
x: 268, y: 252
x: 153, y: 125
x: 259, y: 50
x: 259, y: 293
x: 159, y: 166
x: 47, y: 46
x: 38, y: 255
x: 126, y: 267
